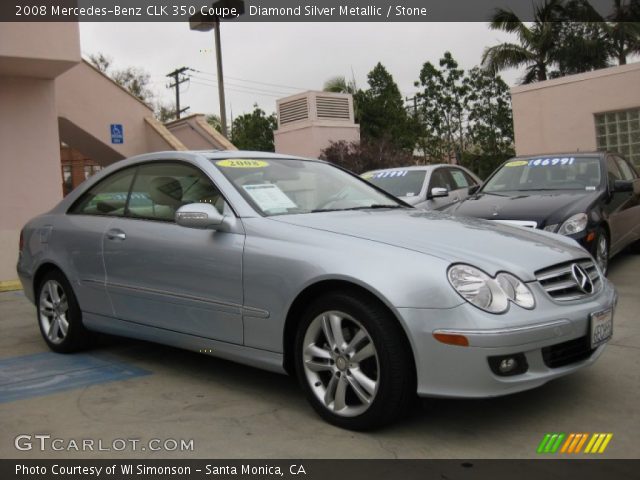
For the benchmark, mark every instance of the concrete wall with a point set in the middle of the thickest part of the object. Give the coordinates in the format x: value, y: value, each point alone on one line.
x: 558, y: 115
x: 310, y: 140
x: 30, y: 181
x: 38, y: 49
x: 194, y: 132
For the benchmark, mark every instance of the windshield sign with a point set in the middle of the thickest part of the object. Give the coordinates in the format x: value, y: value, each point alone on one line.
x: 401, y: 183
x: 546, y: 173
x: 281, y: 187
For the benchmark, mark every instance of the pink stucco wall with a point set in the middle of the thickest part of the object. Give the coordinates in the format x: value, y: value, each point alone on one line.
x: 30, y: 181
x: 558, y: 115
x: 310, y: 140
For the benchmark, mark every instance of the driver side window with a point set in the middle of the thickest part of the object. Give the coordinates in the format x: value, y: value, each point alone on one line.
x: 160, y: 189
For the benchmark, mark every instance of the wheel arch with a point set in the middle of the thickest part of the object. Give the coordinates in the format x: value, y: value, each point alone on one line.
x: 41, y: 271
x: 322, y: 287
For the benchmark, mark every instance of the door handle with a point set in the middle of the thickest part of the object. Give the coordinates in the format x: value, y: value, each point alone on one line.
x: 116, y: 234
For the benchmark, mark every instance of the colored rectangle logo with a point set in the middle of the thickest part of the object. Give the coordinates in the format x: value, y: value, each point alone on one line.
x: 42, y: 374
x: 574, y: 443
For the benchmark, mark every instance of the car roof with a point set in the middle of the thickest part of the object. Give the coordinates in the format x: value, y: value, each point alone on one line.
x: 224, y: 154
x: 565, y: 154
x: 416, y: 167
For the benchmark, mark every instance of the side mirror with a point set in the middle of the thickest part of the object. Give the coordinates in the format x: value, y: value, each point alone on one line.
x: 473, y: 189
x: 623, y: 186
x: 199, y: 215
x: 438, y: 192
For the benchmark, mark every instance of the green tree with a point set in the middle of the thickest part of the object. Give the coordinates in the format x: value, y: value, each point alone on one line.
x: 382, y: 114
x: 135, y: 80
x: 442, y: 109
x: 214, y: 121
x: 254, y: 131
x: 489, y: 114
x: 619, y: 32
x: 536, y: 47
x: 339, y: 84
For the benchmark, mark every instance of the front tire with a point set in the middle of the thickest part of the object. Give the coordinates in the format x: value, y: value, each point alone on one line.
x: 601, y: 253
x: 59, y: 316
x: 353, y: 362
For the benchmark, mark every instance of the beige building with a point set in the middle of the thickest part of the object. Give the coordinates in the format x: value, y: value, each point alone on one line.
x: 598, y: 110
x: 49, y: 96
x: 308, y: 122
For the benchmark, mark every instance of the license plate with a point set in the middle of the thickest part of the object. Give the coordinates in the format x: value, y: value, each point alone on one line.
x: 601, y: 327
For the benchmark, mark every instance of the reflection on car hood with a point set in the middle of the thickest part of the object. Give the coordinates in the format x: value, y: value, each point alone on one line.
x: 488, y: 245
x: 543, y: 207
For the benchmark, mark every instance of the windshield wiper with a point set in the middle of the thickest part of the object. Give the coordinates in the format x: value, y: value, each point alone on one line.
x: 375, y: 205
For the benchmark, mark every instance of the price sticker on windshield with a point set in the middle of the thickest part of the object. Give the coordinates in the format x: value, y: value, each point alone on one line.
x: 551, y: 162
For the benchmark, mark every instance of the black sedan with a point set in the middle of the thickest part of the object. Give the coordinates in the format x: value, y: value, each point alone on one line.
x: 591, y: 197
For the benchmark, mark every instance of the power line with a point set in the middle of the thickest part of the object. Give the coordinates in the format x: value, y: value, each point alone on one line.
x: 260, y: 90
x: 251, y: 81
x: 249, y: 92
x: 177, y: 80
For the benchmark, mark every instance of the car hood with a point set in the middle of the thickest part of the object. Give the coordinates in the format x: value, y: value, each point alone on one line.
x: 544, y: 208
x: 487, y: 245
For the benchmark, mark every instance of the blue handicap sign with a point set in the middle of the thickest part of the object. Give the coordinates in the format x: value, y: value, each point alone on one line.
x: 117, y: 133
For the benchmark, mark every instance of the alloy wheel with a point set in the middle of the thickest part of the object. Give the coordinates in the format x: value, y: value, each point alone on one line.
x: 341, y: 363
x: 54, y: 309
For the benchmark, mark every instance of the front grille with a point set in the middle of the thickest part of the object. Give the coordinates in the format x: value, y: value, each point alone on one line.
x: 560, y: 285
x: 567, y: 353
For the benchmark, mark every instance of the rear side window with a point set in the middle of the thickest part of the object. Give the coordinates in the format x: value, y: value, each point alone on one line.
x: 440, y: 178
x: 613, y: 172
x: 625, y: 169
x: 107, y: 197
x: 461, y: 180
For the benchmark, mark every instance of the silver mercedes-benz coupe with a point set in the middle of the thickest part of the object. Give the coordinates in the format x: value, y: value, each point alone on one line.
x: 295, y: 265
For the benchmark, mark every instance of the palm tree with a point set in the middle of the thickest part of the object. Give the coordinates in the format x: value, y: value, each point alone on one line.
x: 623, y: 29
x: 339, y: 84
x: 537, y: 42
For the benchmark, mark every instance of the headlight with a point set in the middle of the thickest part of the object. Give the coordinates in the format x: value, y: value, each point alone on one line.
x: 489, y: 294
x: 574, y: 224
x: 551, y: 228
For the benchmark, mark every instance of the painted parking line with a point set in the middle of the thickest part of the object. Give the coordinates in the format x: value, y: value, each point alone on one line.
x: 46, y: 373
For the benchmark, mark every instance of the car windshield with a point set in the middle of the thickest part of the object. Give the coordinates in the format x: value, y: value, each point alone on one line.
x: 284, y: 186
x: 401, y: 183
x: 546, y: 173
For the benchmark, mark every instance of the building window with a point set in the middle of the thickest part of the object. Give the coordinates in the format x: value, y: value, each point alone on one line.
x: 620, y: 132
x: 67, y: 179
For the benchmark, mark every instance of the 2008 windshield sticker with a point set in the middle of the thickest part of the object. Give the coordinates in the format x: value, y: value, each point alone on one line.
x: 551, y: 162
x: 242, y: 163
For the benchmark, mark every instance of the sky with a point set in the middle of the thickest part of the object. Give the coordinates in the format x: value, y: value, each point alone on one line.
x: 266, y: 61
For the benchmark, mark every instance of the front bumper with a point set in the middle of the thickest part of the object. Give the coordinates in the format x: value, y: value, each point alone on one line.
x: 445, y: 370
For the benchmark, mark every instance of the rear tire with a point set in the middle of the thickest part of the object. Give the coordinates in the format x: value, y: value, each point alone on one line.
x: 59, y: 316
x: 353, y: 362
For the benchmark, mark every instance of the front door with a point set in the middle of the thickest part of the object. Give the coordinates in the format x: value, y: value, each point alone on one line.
x: 171, y: 277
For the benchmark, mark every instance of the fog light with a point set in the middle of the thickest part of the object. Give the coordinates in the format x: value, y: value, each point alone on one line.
x: 508, y: 365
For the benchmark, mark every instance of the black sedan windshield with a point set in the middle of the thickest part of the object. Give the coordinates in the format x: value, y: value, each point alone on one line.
x: 546, y: 173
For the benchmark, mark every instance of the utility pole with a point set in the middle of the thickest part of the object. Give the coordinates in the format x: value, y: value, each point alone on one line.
x: 223, y: 108
x: 177, y: 80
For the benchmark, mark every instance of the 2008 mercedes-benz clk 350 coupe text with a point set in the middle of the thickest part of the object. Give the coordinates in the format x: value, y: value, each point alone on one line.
x: 295, y: 265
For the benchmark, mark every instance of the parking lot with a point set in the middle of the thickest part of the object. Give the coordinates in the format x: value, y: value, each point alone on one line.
x: 146, y: 391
